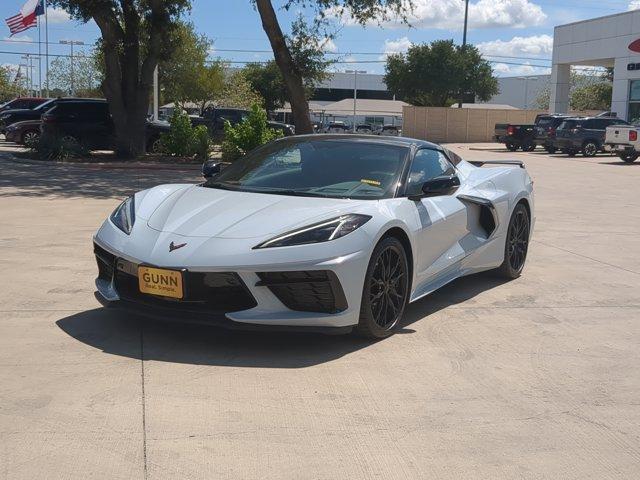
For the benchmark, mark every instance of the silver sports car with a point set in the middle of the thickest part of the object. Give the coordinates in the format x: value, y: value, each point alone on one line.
x: 319, y: 232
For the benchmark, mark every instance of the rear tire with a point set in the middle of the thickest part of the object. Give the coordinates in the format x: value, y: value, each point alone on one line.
x: 512, y: 147
x: 572, y: 153
x: 551, y: 150
x: 516, y: 244
x: 528, y: 147
x: 628, y: 157
x: 386, y: 290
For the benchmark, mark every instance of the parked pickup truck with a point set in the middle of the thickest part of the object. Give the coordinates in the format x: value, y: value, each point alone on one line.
x: 516, y: 136
x: 624, y: 141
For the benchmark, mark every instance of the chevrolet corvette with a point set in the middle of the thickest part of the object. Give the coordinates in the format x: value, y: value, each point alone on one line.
x: 326, y: 233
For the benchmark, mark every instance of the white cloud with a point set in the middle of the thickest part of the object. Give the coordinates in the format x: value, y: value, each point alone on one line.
x: 506, y: 70
x: 534, y: 46
x: 634, y: 4
x: 57, y: 15
x: 19, y: 38
x: 400, y: 45
x: 449, y: 14
x: 328, y: 45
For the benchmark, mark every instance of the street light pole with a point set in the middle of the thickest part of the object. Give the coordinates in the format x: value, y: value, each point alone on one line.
x: 71, y: 43
x: 464, y: 39
x: 355, y: 93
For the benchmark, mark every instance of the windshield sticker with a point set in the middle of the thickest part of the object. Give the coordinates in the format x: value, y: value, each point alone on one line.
x: 375, y: 183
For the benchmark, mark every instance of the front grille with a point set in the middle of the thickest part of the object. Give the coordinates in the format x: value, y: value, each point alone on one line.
x: 306, y: 291
x: 211, y: 292
x: 106, y: 262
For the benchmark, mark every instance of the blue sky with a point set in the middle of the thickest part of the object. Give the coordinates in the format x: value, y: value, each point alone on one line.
x: 522, y: 29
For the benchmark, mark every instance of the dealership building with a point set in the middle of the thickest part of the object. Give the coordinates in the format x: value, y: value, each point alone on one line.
x: 611, y: 41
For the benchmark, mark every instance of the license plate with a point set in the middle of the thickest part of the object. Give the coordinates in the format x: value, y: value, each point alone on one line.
x: 158, y: 281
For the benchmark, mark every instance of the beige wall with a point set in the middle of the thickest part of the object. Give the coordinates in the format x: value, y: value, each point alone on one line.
x: 439, y: 124
x: 460, y: 125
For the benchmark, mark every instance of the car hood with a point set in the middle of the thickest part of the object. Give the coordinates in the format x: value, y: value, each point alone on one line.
x: 209, y: 212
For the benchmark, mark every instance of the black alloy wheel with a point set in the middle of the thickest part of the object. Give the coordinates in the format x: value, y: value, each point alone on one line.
x: 386, y: 289
x: 590, y: 149
x: 512, y: 147
x: 517, y: 243
x: 30, y: 138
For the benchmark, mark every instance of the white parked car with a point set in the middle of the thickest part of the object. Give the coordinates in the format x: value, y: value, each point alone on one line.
x: 624, y: 141
x: 319, y: 232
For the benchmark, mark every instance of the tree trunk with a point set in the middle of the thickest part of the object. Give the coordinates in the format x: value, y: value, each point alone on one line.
x: 290, y: 72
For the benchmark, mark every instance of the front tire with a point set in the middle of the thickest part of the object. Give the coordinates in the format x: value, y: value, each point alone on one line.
x: 590, y: 149
x: 386, y: 290
x: 528, y: 146
x: 517, y: 243
x: 551, y: 150
x: 512, y: 147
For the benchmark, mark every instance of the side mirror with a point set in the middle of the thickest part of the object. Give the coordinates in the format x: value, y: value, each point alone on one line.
x: 438, y: 186
x: 211, y: 168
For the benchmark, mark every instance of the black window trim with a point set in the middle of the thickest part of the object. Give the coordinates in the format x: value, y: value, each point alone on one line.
x: 402, y: 188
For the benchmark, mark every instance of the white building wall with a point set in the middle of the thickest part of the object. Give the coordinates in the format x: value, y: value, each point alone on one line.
x: 603, y: 42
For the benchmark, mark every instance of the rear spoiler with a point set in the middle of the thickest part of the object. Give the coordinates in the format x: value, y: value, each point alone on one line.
x: 480, y: 163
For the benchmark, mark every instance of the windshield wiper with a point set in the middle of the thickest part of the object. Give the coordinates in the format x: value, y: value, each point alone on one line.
x: 221, y: 185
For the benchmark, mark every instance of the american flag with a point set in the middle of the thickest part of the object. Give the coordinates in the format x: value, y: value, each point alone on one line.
x: 27, y: 18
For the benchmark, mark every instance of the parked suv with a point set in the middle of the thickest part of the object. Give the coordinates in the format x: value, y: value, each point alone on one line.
x: 86, y: 121
x: 545, y: 130
x: 584, y: 135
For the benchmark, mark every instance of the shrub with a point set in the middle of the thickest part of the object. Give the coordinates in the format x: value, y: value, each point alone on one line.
x: 201, y: 142
x: 179, y: 140
x: 57, y: 148
x: 183, y: 140
x: 247, y: 135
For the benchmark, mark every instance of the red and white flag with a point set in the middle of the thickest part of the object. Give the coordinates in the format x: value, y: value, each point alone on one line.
x: 27, y: 18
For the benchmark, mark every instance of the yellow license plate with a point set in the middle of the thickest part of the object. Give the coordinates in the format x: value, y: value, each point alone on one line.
x: 158, y: 281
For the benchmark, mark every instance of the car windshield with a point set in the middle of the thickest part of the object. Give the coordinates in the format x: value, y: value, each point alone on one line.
x: 545, y: 121
x: 320, y: 168
x: 568, y: 124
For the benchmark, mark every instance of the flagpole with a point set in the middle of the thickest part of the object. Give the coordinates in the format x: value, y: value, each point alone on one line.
x: 39, y: 58
x: 46, y: 39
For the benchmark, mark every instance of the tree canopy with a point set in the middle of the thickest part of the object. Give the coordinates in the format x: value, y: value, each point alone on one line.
x: 84, y: 77
x: 436, y: 74
x: 187, y: 75
x: 596, y: 96
x: 136, y: 35
x: 9, y: 87
x: 308, y: 38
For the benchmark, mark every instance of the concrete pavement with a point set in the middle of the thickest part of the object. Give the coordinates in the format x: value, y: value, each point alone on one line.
x: 535, y: 378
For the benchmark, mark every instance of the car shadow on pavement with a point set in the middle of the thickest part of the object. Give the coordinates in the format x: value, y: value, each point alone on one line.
x: 620, y: 163
x: 127, y: 335
x: 37, y: 179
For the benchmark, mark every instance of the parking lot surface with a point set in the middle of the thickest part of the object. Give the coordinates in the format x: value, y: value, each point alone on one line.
x: 533, y: 378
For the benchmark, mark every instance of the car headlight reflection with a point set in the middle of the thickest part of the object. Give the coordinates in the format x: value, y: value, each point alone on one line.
x: 318, y: 232
x: 124, y: 216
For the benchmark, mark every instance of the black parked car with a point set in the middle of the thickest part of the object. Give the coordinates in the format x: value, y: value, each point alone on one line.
x: 20, y: 114
x: 86, y: 121
x: 584, y: 134
x: 27, y: 103
x: 545, y: 130
x: 515, y: 136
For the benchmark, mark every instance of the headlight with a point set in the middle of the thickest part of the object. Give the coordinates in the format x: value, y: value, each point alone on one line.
x: 318, y: 232
x: 124, y: 216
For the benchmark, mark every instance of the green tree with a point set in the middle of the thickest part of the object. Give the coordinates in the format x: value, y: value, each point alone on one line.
x: 237, y: 93
x: 592, y: 97
x: 186, y: 76
x: 266, y: 80
x: 436, y: 74
x: 82, y: 79
x: 577, y: 81
x: 307, y: 40
x: 135, y: 36
x: 9, y: 87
